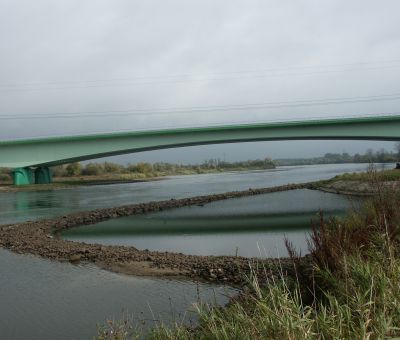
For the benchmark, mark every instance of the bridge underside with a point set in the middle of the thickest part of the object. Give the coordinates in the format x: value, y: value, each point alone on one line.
x: 40, y: 154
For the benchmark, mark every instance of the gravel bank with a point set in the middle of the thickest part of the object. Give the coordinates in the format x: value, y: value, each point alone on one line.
x: 41, y: 238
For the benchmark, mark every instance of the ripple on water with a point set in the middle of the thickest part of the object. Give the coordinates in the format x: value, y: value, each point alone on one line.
x: 253, y: 226
x: 42, y: 299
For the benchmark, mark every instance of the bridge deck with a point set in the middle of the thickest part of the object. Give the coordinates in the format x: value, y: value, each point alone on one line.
x: 60, y: 150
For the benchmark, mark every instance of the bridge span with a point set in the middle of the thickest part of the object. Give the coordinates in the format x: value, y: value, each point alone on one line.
x: 31, y: 158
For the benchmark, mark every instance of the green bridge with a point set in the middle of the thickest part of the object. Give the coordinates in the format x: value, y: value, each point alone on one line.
x: 32, y: 158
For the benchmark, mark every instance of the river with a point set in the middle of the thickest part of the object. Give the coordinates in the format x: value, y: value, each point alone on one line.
x: 249, y: 226
x: 42, y: 299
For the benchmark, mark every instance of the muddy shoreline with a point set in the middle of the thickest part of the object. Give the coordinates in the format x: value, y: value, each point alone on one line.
x: 41, y: 238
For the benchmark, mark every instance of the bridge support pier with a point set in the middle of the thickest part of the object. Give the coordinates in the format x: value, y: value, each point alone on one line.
x: 43, y: 175
x: 25, y: 176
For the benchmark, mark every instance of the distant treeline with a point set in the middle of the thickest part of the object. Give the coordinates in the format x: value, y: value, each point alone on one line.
x: 370, y: 156
x: 144, y: 170
x: 158, y: 169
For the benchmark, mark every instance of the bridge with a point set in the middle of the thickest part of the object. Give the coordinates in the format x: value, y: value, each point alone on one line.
x: 31, y: 158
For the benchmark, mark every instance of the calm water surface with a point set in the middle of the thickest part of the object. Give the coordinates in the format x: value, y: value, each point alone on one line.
x: 21, y: 206
x: 252, y: 226
x: 41, y: 299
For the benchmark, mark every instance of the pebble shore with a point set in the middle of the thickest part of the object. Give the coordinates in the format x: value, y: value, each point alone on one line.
x: 41, y: 238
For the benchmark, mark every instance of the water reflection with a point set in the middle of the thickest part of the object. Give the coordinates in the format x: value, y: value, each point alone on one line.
x: 41, y: 299
x: 21, y: 206
x: 25, y: 201
x: 49, y: 300
x: 220, y: 228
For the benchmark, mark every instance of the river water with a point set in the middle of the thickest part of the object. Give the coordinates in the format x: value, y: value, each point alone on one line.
x: 41, y: 299
x: 249, y: 226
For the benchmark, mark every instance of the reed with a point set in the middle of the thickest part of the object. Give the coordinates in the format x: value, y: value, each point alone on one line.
x: 347, y: 289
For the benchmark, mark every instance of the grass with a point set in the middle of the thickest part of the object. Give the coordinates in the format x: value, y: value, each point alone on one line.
x: 384, y: 175
x: 362, y: 303
x: 348, y: 289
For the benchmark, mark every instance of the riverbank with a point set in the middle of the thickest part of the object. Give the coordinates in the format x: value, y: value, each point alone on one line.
x: 143, y: 199
x: 347, y: 184
x: 342, y: 292
x: 41, y: 238
x: 74, y: 174
x: 73, y: 182
x: 361, y: 184
x: 77, y: 181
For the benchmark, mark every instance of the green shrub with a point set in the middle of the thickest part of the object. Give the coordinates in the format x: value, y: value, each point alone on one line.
x: 73, y: 169
x: 59, y: 171
x: 5, y: 175
x: 5, y: 178
x: 112, y: 168
x: 92, y: 169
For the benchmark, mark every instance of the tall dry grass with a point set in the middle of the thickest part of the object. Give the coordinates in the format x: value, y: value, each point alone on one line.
x: 350, y: 288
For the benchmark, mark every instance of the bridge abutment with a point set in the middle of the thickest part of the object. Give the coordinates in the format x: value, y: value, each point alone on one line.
x: 26, y: 176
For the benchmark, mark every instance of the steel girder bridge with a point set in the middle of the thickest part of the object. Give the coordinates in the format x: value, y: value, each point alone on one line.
x: 31, y: 159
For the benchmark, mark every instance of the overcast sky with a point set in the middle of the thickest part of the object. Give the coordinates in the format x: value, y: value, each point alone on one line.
x: 74, y: 67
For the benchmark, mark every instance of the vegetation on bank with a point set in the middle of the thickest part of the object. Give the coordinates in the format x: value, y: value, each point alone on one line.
x: 384, y: 175
x: 371, y: 156
x: 359, y: 183
x: 347, y: 289
x: 142, y: 170
x: 145, y: 170
x: 5, y: 175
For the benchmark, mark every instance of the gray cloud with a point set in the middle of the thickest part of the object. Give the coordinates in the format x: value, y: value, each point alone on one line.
x: 80, y: 56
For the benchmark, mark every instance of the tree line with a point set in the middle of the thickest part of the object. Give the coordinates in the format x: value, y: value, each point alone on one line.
x: 144, y: 169
x: 371, y: 156
x: 158, y: 168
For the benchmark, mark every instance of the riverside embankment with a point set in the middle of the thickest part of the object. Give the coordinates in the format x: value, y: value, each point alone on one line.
x: 83, y: 294
x: 362, y: 184
x: 40, y: 238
